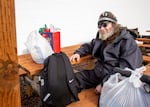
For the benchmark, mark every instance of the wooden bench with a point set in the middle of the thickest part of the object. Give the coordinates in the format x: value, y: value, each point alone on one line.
x: 27, y: 64
x: 28, y: 67
x: 145, y: 57
x: 145, y: 45
x: 87, y: 97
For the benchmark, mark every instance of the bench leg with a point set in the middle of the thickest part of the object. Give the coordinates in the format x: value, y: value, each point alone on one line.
x: 34, y: 84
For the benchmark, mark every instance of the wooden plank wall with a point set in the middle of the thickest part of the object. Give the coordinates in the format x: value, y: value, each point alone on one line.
x: 9, y: 78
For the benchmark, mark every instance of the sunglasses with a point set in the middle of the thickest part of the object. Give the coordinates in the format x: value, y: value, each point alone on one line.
x: 103, y: 24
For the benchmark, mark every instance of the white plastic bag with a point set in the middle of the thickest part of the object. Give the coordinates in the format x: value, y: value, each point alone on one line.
x: 121, y: 91
x: 38, y: 47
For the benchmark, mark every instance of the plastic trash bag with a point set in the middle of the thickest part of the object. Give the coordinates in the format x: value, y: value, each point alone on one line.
x: 119, y: 91
x: 38, y: 47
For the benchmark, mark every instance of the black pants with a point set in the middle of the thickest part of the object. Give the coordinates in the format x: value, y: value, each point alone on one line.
x: 87, y: 79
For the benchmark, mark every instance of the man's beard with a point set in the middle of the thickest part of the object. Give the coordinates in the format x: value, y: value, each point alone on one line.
x: 105, y: 36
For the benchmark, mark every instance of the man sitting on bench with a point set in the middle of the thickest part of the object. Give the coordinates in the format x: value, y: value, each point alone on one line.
x: 114, y: 46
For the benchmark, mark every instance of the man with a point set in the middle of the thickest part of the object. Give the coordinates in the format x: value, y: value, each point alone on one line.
x: 114, y: 46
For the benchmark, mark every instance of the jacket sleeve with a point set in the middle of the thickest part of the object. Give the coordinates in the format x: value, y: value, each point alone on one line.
x: 131, y: 55
x: 86, y: 48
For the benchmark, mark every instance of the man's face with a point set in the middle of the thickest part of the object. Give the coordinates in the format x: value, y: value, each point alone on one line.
x: 106, y: 29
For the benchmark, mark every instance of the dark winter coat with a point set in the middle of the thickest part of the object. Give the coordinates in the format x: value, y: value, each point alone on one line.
x: 121, y: 52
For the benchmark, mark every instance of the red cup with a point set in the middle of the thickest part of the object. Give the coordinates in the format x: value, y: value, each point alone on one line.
x: 56, y: 42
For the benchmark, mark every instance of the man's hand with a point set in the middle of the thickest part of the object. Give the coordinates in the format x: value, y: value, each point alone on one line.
x: 75, y: 57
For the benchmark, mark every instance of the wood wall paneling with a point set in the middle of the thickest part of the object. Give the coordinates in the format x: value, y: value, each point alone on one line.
x: 9, y: 78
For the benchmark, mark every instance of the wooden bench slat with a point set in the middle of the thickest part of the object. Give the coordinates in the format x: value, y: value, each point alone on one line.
x: 147, y: 72
x: 22, y: 72
x: 69, y: 51
x: 146, y: 58
x: 26, y: 62
x: 144, y: 45
x: 145, y: 40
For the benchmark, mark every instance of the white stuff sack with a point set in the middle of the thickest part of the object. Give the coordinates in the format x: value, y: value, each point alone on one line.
x: 38, y: 47
x: 119, y: 91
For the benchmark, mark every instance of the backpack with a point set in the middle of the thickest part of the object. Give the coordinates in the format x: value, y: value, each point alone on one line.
x: 58, y: 86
